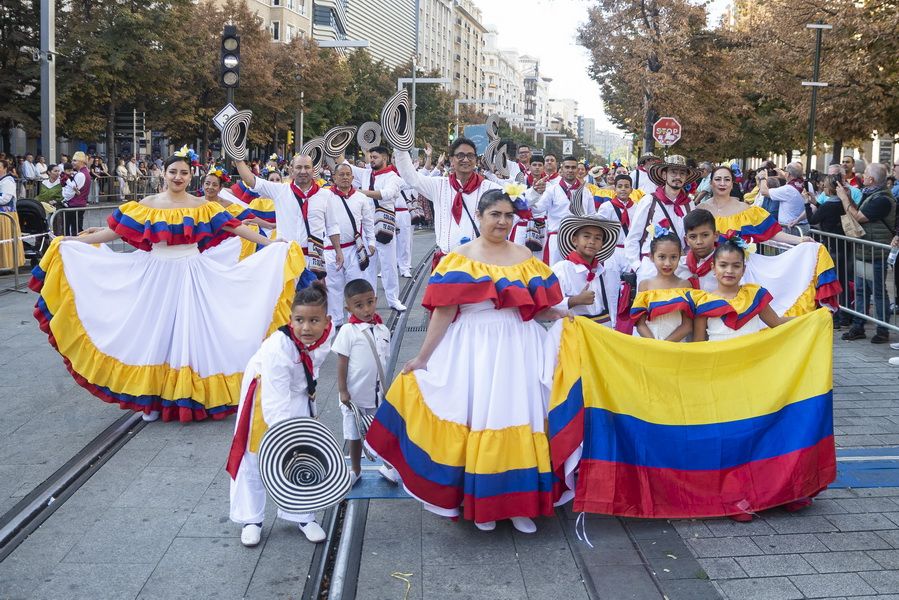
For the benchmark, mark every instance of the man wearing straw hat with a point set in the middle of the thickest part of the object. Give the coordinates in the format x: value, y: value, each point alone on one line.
x: 666, y: 207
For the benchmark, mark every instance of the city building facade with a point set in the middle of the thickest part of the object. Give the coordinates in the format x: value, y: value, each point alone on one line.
x: 284, y: 19
x: 503, y: 82
x: 329, y: 19
x: 536, y: 91
x: 468, y: 43
x: 387, y: 25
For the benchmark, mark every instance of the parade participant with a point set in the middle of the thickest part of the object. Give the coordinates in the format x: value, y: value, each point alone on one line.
x: 640, y: 175
x: 278, y: 384
x: 524, y: 160
x: 666, y: 207
x: 753, y: 223
x: 732, y: 309
x: 302, y: 210
x: 620, y: 208
x: 455, y: 198
x: 555, y: 202
x: 355, y: 218
x: 701, y: 236
x: 457, y: 432
x: 661, y: 308
x: 404, y: 201
x: 94, y: 304
x: 589, y: 274
x: 363, y: 349
x: 535, y: 173
x: 78, y: 188
x: 214, y: 191
x: 381, y: 182
x: 551, y: 168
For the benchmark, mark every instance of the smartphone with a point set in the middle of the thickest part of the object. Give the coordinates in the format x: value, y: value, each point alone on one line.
x: 837, y: 178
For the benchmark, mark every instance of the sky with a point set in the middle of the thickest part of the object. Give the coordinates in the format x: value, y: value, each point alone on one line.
x: 547, y: 29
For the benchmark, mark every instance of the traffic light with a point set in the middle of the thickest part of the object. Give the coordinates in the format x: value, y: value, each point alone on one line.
x: 289, y: 139
x: 230, y: 57
x: 449, y: 133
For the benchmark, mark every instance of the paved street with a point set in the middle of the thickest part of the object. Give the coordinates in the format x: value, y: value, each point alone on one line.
x: 152, y: 523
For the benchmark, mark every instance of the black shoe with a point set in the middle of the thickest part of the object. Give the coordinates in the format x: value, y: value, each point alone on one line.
x: 854, y: 333
x: 881, y: 337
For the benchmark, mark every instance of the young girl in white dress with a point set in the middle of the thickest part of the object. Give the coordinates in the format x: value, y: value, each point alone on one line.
x: 662, y: 308
x: 732, y: 310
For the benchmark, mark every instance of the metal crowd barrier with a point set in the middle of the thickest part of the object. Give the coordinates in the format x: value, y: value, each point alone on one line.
x: 84, y: 218
x: 869, y: 283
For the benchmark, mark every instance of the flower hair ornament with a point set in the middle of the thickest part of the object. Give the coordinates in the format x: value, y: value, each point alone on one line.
x: 275, y: 158
x: 184, y: 152
x: 734, y: 238
x: 657, y: 231
x: 220, y: 173
x: 514, y: 190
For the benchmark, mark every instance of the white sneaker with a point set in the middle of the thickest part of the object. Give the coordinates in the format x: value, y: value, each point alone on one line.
x: 251, y: 535
x: 398, y: 307
x: 355, y: 478
x: 894, y: 361
x: 486, y: 526
x: 313, y: 532
x: 389, y: 473
x: 406, y: 275
x: 151, y: 416
x: 895, y: 345
x: 524, y: 524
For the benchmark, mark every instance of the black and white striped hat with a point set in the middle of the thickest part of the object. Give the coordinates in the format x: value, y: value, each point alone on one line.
x: 569, y: 227
x: 302, y: 466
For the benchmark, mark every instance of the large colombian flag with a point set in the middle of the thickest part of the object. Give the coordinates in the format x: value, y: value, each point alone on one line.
x: 668, y: 430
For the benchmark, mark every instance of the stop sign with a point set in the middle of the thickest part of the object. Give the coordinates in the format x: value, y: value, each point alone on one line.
x: 666, y: 131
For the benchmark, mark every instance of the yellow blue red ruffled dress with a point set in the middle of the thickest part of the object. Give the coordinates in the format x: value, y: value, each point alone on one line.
x: 154, y: 329
x: 470, y: 430
x: 800, y: 279
x: 732, y: 317
x: 663, y: 308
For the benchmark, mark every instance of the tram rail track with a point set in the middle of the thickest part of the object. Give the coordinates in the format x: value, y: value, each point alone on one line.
x: 335, y: 564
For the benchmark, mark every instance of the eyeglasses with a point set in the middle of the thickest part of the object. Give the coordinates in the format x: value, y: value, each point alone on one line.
x: 465, y: 156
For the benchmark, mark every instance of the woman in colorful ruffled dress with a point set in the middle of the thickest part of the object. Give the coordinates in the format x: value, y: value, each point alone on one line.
x: 800, y: 279
x: 153, y: 330
x: 464, y: 423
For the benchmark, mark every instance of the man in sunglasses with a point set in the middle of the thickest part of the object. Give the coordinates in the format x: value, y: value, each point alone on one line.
x: 455, y: 197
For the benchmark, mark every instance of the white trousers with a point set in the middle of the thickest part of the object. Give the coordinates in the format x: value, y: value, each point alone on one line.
x: 337, y: 280
x: 385, y: 264
x: 404, y: 241
x: 248, y: 496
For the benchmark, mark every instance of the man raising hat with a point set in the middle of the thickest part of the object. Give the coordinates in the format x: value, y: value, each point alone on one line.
x: 666, y: 207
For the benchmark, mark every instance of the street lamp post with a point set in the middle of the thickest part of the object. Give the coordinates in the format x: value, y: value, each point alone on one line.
x: 459, y: 101
x: 819, y: 28
x: 48, y: 80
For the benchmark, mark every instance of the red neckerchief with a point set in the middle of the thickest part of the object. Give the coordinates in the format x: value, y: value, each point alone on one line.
x: 698, y: 270
x: 375, y: 320
x: 678, y: 203
x: 387, y: 169
x: 568, y: 189
x: 553, y: 176
x: 241, y: 440
x: 797, y: 184
x: 529, y: 177
x: 302, y: 196
x: 575, y: 257
x: 473, y: 183
x: 304, y: 350
x: 336, y: 191
x: 623, y: 206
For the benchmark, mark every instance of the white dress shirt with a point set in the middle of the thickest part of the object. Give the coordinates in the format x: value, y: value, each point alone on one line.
x: 323, y: 216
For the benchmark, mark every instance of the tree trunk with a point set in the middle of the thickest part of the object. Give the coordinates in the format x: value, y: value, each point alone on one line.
x: 837, y: 151
x: 111, y: 146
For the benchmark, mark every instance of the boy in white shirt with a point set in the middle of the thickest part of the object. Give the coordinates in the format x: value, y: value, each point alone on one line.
x: 362, y: 347
x: 589, y: 274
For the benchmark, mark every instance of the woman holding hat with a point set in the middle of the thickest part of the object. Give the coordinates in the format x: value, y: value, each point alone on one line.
x: 589, y: 275
x: 464, y: 423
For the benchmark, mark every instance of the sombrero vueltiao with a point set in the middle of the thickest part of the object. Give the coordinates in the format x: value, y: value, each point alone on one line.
x: 675, y: 160
x: 571, y: 225
x: 302, y: 466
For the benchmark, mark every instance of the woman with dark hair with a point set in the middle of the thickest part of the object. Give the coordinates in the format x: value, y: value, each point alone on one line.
x: 148, y: 330
x: 464, y: 422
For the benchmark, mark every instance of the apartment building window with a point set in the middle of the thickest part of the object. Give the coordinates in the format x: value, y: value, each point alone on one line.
x: 291, y: 33
x: 276, y: 31
x: 276, y: 2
